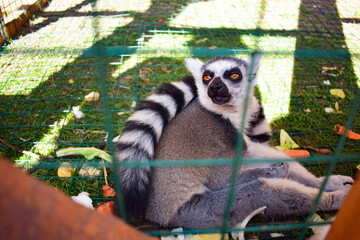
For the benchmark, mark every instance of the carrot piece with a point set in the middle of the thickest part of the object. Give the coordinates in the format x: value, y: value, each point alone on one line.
x: 108, y: 191
x: 108, y: 207
x: 297, y: 153
x: 350, y: 134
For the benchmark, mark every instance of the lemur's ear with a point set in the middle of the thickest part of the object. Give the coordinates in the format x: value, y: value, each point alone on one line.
x: 253, y: 63
x: 194, y: 66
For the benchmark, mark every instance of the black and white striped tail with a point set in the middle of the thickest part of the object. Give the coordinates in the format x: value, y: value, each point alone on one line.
x: 140, y: 136
x: 258, y: 129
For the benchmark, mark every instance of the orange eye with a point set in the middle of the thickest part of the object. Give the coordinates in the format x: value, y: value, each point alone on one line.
x: 206, y: 78
x: 235, y: 76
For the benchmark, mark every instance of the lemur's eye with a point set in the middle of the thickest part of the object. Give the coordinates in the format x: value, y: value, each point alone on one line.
x: 235, y: 76
x: 206, y: 78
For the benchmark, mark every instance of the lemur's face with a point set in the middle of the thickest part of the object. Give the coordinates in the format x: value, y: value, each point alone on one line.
x: 223, y: 81
x: 223, y: 78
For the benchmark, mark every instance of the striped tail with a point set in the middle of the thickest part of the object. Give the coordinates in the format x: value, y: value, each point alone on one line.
x: 259, y: 129
x: 140, y: 136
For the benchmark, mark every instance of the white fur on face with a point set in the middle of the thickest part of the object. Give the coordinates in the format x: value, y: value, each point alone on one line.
x: 233, y: 109
x: 220, y: 66
x: 237, y: 90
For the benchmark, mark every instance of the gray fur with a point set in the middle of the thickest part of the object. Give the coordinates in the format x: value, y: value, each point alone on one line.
x: 195, y: 197
x: 282, y: 197
x: 145, y: 126
x: 141, y: 133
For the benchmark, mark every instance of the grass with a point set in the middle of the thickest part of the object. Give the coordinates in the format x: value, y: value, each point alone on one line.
x: 52, y: 67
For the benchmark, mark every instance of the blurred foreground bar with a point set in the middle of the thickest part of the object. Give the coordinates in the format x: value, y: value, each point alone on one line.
x: 32, y: 210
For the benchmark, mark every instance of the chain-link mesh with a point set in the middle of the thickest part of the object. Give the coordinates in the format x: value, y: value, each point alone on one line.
x: 125, y: 49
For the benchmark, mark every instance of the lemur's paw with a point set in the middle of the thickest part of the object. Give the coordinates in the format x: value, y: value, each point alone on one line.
x: 337, y: 182
x: 279, y: 170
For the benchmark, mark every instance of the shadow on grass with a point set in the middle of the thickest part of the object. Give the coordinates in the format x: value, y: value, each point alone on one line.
x: 321, y: 32
x: 26, y: 120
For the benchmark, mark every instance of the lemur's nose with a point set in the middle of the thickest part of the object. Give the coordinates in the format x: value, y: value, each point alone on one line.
x: 216, y: 85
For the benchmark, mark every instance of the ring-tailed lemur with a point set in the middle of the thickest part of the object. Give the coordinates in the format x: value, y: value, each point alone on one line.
x: 194, y: 197
x: 144, y: 128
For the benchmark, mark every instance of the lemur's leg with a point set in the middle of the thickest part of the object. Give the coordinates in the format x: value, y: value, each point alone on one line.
x: 277, y: 170
x: 296, y: 171
x: 299, y: 173
x: 282, y: 197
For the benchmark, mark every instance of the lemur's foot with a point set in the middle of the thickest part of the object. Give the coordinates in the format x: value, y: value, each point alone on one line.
x: 337, y: 182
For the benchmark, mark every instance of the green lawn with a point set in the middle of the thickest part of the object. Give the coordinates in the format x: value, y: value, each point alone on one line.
x: 54, y: 64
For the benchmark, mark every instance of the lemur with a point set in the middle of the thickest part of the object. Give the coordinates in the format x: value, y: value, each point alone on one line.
x: 208, y: 107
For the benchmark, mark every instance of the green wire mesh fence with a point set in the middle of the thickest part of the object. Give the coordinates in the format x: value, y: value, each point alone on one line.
x: 126, y: 49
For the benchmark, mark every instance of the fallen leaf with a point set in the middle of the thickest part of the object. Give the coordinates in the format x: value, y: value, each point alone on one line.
x: 337, y: 106
x: 201, y: 40
x: 320, y: 230
x: 108, y: 191
x: 337, y: 92
x: 89, y: 171
x: 349, y: 134
x: 108, y: 207
x: 93, y: 96
x: 210, y: 236
x: 319, y: 150
x: 329, y: 110
x: 286, y: 141
x: 144, y: 71
x: 87, y: 152
x: 166, y: 70
x: 274, y: 235
x: 331, y: 71
x: 25, y: 139
x: 296, y: 153
x: 65, y: 170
